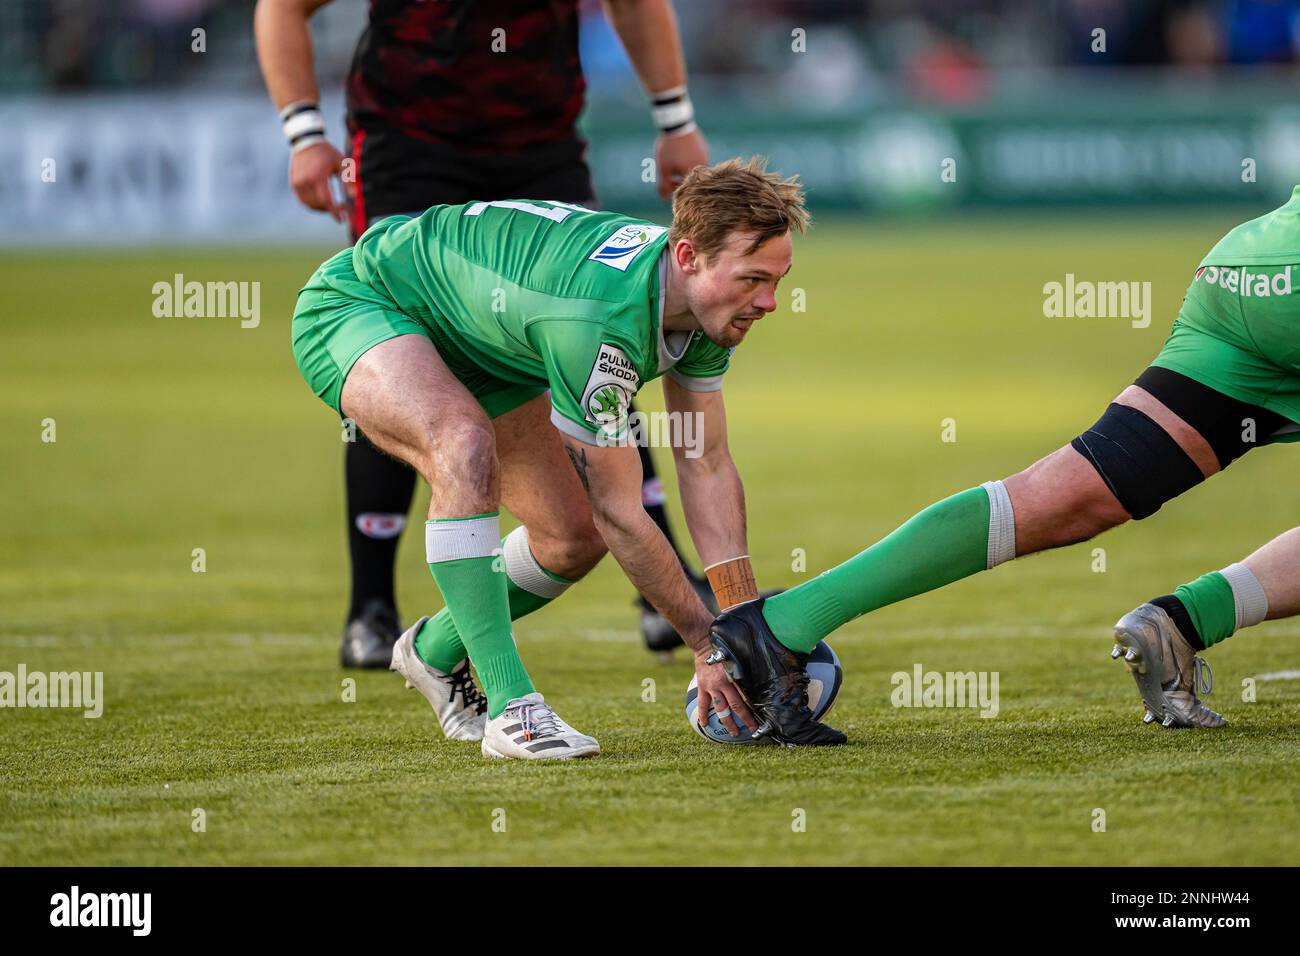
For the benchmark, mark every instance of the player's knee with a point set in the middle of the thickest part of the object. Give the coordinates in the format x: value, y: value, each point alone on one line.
x: 463, y: 450
x: 1140, y: 463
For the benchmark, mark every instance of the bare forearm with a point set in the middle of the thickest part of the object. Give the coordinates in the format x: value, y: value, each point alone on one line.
x: 713, y: 500
x: 648, y: 29
x: 284, y: 50
x: 655, y: 570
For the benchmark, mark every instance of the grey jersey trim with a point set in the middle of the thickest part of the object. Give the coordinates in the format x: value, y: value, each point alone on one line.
x: 666, y: 357
x: 692, y: 383
x: 573, y: 430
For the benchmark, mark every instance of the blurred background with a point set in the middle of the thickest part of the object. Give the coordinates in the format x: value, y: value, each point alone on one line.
x: 1063, y: 101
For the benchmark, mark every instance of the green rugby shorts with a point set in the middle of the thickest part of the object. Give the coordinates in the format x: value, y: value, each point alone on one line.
x: 339, y: 318
x: 1238, y: 332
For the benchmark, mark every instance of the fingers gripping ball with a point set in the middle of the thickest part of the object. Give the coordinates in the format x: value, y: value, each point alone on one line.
x: 825, y: 675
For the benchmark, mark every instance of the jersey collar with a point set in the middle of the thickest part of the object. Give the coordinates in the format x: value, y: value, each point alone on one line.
x: 673, y: 345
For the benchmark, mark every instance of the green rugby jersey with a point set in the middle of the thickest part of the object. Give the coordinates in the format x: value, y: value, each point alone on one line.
x: 1271, y: 240
x: 543, y: 293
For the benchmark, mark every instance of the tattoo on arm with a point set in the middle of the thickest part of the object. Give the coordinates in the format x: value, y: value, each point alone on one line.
x: 579, y: 459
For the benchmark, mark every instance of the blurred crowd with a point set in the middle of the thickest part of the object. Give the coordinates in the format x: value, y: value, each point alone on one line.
x: 949, y: 50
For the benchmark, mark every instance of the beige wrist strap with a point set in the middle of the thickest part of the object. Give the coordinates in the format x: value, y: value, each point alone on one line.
x: 732, y: 581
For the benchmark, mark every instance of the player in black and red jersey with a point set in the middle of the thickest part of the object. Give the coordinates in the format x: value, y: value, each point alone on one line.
x: 449, y: 102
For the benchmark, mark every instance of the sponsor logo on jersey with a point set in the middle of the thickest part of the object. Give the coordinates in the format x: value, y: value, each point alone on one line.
x: 622, y: 247
x: 609, y: 390
x: 1245, y: 283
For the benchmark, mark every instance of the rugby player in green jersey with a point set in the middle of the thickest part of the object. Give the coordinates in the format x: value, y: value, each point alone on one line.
x: 495, y: 346
x: 1227, y: 379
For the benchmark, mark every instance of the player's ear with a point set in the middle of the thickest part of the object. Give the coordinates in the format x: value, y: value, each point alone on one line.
x: 687, y: 259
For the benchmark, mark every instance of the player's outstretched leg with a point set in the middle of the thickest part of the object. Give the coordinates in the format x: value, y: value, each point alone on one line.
x: 1159, y: 640
x: 404, y: 397
x: 1137, y: 456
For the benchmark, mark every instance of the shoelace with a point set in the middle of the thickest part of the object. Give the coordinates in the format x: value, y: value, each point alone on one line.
x: 539, y: 721
x: 1202, y: 677
x: 463, y: 684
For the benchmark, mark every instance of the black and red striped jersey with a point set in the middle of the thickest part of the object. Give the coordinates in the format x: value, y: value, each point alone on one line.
x: 496, y: 76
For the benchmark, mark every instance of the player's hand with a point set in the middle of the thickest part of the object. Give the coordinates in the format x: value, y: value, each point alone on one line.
x: 677, y: 155
x: 725, y: 697
x: 310, y: 172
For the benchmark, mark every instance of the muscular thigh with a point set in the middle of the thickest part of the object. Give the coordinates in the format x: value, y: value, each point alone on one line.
x: 407, y: 401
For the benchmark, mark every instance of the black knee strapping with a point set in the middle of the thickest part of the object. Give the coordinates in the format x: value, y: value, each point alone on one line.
x: 1140, y: 463
x: 1230, y: 427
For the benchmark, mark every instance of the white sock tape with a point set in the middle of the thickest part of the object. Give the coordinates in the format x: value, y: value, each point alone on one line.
x: 1247, y: 595
x: 523, y: 569
x: 452, y: 539
x: 1002, y: 524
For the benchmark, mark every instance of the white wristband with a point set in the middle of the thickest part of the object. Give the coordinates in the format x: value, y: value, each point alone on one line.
x: 672, y: 111
x: 303, y: 142
x: 303, y: 124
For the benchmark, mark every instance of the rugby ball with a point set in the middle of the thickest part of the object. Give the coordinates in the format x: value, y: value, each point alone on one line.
x: 825, y: 675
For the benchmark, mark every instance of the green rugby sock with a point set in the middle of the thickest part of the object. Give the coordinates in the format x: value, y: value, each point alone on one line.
x: 949, y: 540
x: 529, y: 586
x: 1209, y: 604
x: 1222, y: 602
x: 460, y: 555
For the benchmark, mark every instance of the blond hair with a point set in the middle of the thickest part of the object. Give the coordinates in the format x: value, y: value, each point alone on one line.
x: 715, y: 201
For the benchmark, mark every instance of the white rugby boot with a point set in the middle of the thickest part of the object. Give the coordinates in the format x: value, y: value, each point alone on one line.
x: 1166, y: 669
x: 529, y: 730
x: 455, y: 698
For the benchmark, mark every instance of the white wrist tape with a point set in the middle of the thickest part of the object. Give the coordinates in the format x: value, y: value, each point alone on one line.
x: 303, y: 124
x: 672, y: 111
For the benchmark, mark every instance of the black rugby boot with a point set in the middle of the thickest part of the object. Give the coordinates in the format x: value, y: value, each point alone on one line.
x: 770, y: 675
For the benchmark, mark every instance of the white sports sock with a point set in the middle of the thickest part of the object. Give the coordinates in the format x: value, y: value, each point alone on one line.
x: 1002, y: 524
x: 452, y: 539
x: 1248, y: 597
x: 523, y: 569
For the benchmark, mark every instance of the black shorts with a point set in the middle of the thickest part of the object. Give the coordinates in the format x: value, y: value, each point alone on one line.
x: 397, y: 174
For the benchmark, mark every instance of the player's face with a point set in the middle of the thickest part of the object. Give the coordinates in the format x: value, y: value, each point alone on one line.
x: 732, y: 291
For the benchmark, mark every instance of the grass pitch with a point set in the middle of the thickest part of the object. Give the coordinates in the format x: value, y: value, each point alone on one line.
x: 223, y: 692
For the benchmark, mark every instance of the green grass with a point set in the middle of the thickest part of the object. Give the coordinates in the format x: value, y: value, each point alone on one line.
x: 222, y: 688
